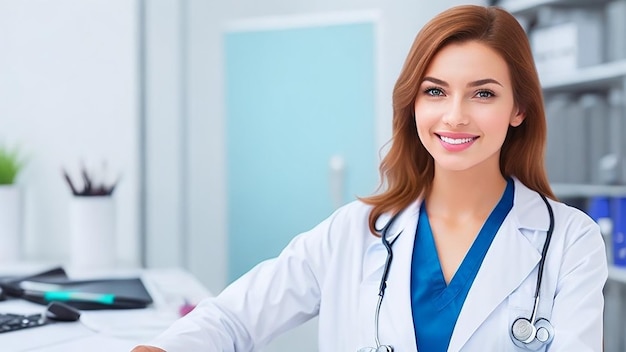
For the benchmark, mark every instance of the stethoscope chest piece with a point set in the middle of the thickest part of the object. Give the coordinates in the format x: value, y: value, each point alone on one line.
x: 531, y: 336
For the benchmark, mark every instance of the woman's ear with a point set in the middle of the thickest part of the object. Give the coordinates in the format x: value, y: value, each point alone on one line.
x: 518, y: 118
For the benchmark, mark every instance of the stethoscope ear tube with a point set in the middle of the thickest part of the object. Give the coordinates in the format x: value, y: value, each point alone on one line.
x: 383, y: 237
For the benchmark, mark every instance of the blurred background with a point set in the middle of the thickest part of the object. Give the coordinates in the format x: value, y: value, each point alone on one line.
x: 228, y: 127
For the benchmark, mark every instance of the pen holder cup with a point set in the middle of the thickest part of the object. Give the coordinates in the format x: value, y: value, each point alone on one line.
x: 92, y: 231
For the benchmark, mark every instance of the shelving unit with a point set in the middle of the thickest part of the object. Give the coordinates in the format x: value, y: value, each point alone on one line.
x: 600, y: 80
x: 617, y: 274
x: 529, y: 7
x: 563, y: 190
x: 588, y: 78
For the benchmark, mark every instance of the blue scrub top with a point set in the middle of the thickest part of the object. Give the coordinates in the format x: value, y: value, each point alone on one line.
x: 436, y: 306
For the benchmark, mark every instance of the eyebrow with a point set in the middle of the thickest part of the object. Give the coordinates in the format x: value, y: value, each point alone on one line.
x: 477, y: 83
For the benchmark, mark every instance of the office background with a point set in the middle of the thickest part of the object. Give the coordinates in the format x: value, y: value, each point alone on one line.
x: 141, y: 85
x: 154, y: 88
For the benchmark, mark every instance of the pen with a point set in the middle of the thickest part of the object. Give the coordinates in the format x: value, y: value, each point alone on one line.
x: 68, y: 296
x: 70, y: 183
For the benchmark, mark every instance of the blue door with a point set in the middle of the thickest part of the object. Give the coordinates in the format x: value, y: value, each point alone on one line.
x: 295, y: 99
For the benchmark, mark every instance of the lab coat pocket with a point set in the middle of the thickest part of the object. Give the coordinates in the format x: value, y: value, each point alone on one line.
x: 520, y: 305
x: 374, y: 263
x: 373, y: 267
x: 368, y: 298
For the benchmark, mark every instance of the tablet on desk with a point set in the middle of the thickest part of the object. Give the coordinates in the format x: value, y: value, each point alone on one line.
x: 55, y: 285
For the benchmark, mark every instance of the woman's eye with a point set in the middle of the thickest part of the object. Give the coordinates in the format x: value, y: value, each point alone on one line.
x: 435, y: 92
x: 485, y: 94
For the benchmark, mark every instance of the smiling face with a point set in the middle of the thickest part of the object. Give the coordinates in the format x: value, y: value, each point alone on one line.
x: 465, y: 106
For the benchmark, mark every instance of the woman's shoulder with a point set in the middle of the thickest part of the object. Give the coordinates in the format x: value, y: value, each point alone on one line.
x: 356, y: 209
x: 570, y: 223
x: 564, y: 213
x: 576, y: 225
x: 348, y: 218
x: 571, y: 214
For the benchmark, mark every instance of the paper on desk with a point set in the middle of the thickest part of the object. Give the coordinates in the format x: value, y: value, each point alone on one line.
x: 171, y: 288
x: 137, y: 325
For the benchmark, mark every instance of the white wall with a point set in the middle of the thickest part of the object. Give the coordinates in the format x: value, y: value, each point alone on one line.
x: 68, y: 92
x: 165, y: 129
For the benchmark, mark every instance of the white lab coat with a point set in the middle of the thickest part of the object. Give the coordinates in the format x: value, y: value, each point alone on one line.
x: 334, y: 271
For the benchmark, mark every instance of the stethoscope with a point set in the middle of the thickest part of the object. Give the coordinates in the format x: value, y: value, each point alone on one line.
x: 528, y: 333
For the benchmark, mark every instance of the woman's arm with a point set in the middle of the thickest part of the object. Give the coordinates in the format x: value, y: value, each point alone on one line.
x: 577, y: 314
x: 147, y: 349
x: 273, y: 297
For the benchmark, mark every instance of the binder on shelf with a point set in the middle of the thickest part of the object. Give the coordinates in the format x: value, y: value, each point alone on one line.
x: 618, y: 211
x: 617, y: 123
x: 595, y: 112
x: 576, y: 142
x: 567, y: 39
x: 615, y: 30
x: 599, y: 209
x: 556, y: 108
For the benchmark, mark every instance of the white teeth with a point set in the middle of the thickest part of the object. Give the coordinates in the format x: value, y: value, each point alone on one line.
x: 456, y: 141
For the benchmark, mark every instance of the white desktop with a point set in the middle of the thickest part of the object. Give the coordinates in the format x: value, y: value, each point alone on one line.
x: 103, y: 330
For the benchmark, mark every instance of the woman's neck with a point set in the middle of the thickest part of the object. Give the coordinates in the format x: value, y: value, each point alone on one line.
x: 466, y: 193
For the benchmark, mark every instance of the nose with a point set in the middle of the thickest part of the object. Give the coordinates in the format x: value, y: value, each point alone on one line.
x: 455, y: 114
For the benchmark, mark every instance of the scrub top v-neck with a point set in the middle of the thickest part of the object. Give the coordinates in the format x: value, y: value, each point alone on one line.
x: 435, y: 304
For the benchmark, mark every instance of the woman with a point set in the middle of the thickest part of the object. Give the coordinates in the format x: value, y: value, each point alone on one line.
x: 464, y: 212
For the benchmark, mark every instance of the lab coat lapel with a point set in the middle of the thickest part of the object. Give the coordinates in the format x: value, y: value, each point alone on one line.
x: 510, y: 259
x: 396, y: 318
x: 375, y: 252
x: 495, y: 281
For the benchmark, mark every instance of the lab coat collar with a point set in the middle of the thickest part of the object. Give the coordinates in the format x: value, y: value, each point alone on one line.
x: 402, y: 221
x: 529, y: 210
x: 508, y: 262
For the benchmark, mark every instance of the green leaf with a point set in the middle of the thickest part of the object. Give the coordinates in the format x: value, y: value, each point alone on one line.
x: 10, y: 165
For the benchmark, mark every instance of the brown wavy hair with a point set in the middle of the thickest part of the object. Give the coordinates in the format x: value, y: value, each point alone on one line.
x: 407, y: 170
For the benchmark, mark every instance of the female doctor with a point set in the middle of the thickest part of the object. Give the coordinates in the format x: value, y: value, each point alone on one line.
x: 461, y: 250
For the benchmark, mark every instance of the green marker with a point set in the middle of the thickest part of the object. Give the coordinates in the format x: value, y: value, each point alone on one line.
x: 65, y: 296
x: 106, y: 299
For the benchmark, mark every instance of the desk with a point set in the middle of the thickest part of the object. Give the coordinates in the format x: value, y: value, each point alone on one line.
x: 107, y: 330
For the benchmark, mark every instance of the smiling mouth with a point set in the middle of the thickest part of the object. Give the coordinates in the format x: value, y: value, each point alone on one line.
x: 457, y: 141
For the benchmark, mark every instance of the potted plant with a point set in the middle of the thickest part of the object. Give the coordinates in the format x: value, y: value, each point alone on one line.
x: 11, y: 212
x: 10, y: 165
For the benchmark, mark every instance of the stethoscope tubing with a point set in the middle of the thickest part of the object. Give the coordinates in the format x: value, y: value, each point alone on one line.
x: 546, y: 244
x: 383, y: 281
